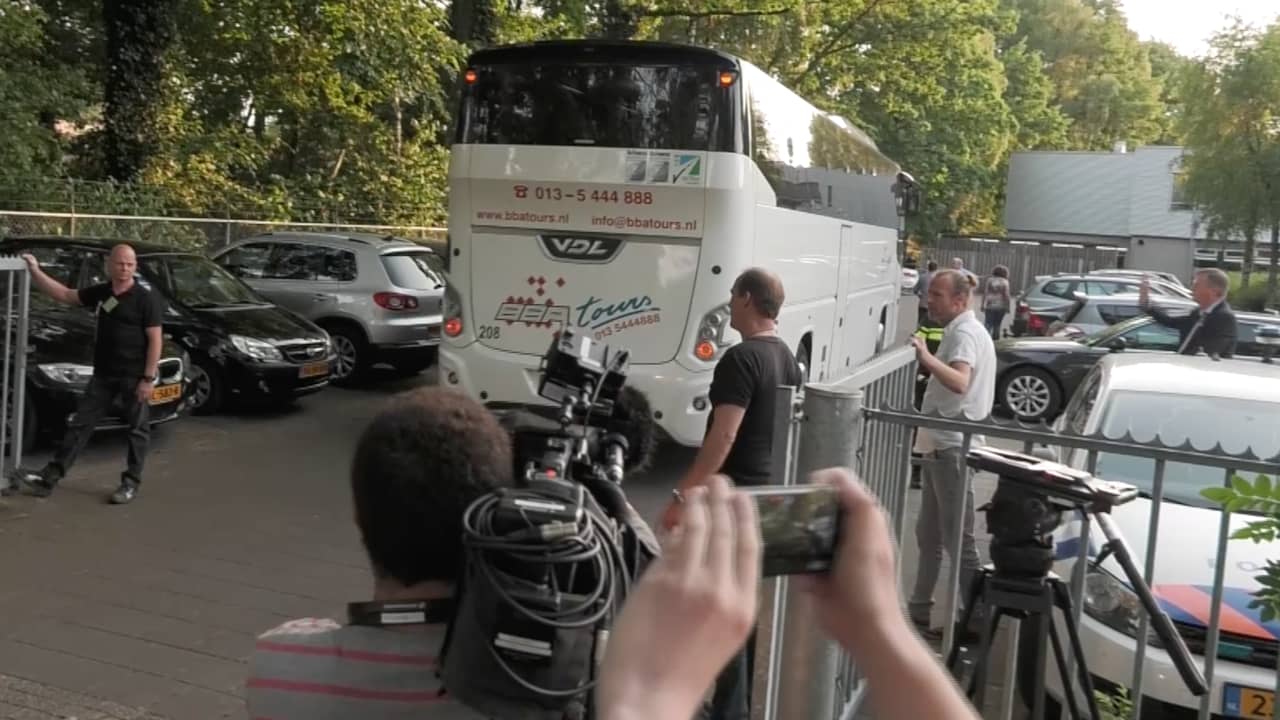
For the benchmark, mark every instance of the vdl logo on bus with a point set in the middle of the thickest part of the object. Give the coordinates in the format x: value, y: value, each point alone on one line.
x: 580, y: 249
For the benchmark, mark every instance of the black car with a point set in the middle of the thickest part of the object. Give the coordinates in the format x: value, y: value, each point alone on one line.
x: 60, y: 342
x: 1036, y: 376
x: 240, y: 344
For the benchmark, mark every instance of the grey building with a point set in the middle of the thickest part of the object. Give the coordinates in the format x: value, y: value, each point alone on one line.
x: 1130, y: 200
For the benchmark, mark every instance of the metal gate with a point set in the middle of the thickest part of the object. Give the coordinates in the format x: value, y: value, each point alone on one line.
x: 16, y: 281
x: 866, y: 423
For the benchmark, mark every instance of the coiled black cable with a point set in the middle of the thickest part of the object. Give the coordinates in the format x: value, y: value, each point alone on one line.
x: 590, y: 546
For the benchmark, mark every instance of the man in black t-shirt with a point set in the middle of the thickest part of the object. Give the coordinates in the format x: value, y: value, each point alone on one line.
x: 126, y: 363
x: 739, y: 437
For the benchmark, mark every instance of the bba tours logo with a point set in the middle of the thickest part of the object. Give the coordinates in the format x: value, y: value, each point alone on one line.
x: 601, y: 316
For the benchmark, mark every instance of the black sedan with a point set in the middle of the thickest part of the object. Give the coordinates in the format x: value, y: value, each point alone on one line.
x: 1035, y: 377
x: 240, y: 344
x: 60, y: 363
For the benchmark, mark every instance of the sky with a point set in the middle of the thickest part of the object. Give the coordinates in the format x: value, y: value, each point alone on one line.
x: 1188, y: 24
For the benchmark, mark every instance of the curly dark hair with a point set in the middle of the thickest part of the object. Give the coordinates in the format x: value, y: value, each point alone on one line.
x: 418, y: 465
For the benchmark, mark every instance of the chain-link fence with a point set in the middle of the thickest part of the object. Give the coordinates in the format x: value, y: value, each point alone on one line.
x: 198, y: 234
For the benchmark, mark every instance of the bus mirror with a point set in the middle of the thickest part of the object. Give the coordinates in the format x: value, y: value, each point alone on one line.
x: 906, y: 193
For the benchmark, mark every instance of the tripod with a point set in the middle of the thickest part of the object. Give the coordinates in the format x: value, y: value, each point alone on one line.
x: 1022, y: 598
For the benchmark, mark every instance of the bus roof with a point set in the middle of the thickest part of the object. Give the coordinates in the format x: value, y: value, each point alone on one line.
x: 608, y: 50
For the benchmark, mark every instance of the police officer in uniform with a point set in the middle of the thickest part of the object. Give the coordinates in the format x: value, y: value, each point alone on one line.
x: 126, y: 364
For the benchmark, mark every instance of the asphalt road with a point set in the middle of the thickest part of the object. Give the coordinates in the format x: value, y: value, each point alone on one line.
x: 151, y: 609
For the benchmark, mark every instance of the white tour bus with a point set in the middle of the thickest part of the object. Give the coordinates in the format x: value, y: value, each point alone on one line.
x: 618, y: 188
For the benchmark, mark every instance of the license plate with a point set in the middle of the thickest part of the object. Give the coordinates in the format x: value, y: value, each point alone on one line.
x: 166, y: 393
x: 315, y: 369
x: 1249, y: 703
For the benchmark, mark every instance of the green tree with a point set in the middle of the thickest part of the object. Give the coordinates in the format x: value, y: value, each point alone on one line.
x: 1101, y: 73
x: 1169, y: 68
x: 1233, y: 139
x: 1029, y: 95
x: 311, y: 109
x: 139, y: 35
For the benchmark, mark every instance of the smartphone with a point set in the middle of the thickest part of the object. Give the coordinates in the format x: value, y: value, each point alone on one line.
x: 799, y: 527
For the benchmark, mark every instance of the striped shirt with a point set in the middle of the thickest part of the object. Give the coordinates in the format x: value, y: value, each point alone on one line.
x: 316, y: 669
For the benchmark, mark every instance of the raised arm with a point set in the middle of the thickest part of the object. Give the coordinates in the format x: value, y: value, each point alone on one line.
x: 49, y: 286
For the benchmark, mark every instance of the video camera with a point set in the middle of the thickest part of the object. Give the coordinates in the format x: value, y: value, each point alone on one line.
x: 550, y: 561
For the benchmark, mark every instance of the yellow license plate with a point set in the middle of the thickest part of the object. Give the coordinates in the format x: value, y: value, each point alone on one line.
x: 166, y: 393
x: 1249, y: 703
x: 315, y: 369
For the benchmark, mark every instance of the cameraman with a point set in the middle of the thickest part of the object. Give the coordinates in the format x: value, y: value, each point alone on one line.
x: 417, y: 467
x: 695, y: 606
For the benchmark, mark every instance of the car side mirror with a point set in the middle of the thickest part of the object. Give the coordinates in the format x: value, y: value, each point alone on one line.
x: 1118, y: 344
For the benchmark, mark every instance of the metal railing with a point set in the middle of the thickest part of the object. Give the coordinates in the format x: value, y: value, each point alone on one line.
x: 16, y: 281
x: 186, y: 233
x: 860, y: 423
x: 823, y: 426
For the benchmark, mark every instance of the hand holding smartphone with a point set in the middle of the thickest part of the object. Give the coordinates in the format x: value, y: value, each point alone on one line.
x: 799, y: 527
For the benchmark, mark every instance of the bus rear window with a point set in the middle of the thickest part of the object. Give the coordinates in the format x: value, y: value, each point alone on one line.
x: 658, y: 107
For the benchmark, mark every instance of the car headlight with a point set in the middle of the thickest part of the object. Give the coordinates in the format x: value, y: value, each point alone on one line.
x: 1113, y: 604
x: 67, y: 373
x: 256, y: 349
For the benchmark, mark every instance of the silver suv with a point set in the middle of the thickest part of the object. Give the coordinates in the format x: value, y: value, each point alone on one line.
x: 378, y: 297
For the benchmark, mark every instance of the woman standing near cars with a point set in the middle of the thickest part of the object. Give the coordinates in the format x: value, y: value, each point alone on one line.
x: 996, y: 299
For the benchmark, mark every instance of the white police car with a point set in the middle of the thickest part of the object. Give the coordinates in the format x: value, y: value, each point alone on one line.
x: 1232, y: 402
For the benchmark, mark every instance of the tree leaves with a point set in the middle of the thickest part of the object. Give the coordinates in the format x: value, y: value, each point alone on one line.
x: 1262, y: 495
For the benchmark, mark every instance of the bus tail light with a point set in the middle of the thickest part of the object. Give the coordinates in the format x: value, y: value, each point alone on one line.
x: 727, y: 78
x: 453, y: 325
x: 470, y: 76
x: 710, y: 342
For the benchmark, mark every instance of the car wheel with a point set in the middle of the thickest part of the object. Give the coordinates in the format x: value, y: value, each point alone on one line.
x: 352, y: 354
x: 208, y: 388
x: 1031, y: 394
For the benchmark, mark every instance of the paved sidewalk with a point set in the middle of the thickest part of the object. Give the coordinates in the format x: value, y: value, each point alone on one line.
x: 25, y: 700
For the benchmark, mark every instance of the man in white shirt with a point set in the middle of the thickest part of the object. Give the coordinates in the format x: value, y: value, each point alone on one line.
x: 961, y: 384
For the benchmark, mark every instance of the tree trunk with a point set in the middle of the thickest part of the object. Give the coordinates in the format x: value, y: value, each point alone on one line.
x: 138, y: 35
x: 619, y: 21
x: 1273, y: 293
x: 399, y: 110
x: 1246, y: 263
x: 473, y: 22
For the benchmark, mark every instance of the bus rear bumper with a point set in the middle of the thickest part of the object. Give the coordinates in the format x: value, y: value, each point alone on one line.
x: 503, y: 378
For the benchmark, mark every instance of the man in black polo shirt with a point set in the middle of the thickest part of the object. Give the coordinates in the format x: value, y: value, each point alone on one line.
x: 126, y: 361
x: 739, y: 438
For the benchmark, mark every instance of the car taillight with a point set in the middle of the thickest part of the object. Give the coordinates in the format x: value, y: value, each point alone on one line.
x: 453, y: 325
x: 1035, y: 323
x: 1023, y: 308
x: 711, y: 342
x: 395, y: 301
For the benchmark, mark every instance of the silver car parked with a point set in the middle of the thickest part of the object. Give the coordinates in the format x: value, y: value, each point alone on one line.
x: 378, y: 297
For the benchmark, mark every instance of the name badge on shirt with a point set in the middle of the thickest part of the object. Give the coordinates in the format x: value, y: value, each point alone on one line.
x: 109, y: 305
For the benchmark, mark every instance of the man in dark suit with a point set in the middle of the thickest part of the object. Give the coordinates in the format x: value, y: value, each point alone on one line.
x: 1211, y: 327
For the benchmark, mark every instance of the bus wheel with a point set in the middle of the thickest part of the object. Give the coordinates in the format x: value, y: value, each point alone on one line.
x: 802, y: 359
